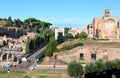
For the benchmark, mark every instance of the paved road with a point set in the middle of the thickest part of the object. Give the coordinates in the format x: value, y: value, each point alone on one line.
x: 32, y: 59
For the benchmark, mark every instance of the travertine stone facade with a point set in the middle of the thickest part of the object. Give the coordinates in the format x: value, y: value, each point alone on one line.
x: 89, y: 53
x: 107, y: 27
x: 75, y: 31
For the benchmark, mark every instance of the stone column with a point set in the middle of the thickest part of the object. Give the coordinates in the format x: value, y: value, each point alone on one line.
x: 7, y: 58
x: 2, y: 56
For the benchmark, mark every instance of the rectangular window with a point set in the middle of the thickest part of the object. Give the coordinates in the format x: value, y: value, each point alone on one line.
x: 93, y: 57
x: 81, y: 56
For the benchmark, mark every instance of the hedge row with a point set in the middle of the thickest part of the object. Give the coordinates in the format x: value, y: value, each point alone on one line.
x: 100, y: 66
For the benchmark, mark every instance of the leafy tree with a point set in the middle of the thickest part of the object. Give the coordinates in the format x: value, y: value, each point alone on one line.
x: 10, y: 21
x: 45, y: 25
x: 27, y: 48
x: 37, y: 40
x: 18, y: 23
x: 65, y: 37
x: 100, y: 66
x: 95, y: 67
x: 68, y: 37
x: 51, y: 33
x: 51, y: 47
x: 90, y: 68
x: 117, y: 64
x: 75, y: 69
x: 77, y: 36
x: 83, y: 35
x: 32, y: 44
x: 35, y: 25
x: 66, y: 29
x: 110, y: 65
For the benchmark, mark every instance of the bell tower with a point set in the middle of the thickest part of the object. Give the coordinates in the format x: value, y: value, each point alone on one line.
x: 107, y: 13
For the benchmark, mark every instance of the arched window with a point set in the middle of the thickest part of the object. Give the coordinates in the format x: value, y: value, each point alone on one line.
x: 15, y: 59
x: 91, y: 27
x: 4, y: 57
x: 105, y: 56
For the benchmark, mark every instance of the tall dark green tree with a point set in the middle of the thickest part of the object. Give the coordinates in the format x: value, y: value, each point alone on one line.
x: 18, y: 23
x: 27, y: 48
x: 51, y: 47
x: 10, y: 21
x: 66, y: 29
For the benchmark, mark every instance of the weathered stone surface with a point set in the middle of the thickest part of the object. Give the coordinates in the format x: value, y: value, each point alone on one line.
x: 15, y: 41
x: 104, y: 28
x: 90, y: 53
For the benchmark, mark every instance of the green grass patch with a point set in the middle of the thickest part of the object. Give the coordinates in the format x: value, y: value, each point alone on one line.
x: 3, y: 72
x: 17, y: 71
x: 69, y: 47
x: 26, y: 76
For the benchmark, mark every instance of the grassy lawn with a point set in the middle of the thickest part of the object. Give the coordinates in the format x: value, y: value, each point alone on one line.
x: 33, y: 74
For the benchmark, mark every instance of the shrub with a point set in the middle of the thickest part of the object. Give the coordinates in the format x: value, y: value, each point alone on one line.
x: 90, y: 68
x: 109, y: 65
x: 26, y: 76
x: 75, y: 69
x: 117, y: 64
x: 41, y: 76
x: 3, y: 72
x: 95, y: 67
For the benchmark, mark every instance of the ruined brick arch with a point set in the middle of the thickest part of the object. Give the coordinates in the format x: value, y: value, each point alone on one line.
x: 105, y: 55
x: 8, y: 57
x: 4, y: 57
x: 109, y: 26
x: 15, y: 59
x: 110, y: 20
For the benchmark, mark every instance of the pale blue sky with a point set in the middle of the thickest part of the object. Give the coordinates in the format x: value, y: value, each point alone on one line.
x: 79, y: 12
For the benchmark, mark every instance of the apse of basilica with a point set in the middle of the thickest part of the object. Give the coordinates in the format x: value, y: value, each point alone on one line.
x: 107, y: 27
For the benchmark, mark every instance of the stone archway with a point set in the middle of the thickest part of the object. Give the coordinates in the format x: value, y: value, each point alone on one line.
x: 15, y: 59
x: 9, y: 56
x: 110, y: 29
x: 4, y: 57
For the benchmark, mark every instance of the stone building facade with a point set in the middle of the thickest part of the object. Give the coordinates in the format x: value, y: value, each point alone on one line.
x: 58, y: 32
x: 89, y: 53
x: 107, y: 27
x: 75, y: 31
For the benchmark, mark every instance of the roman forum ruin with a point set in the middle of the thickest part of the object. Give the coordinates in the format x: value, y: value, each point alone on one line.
x: 107, y: 27
x: 14, y: 41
